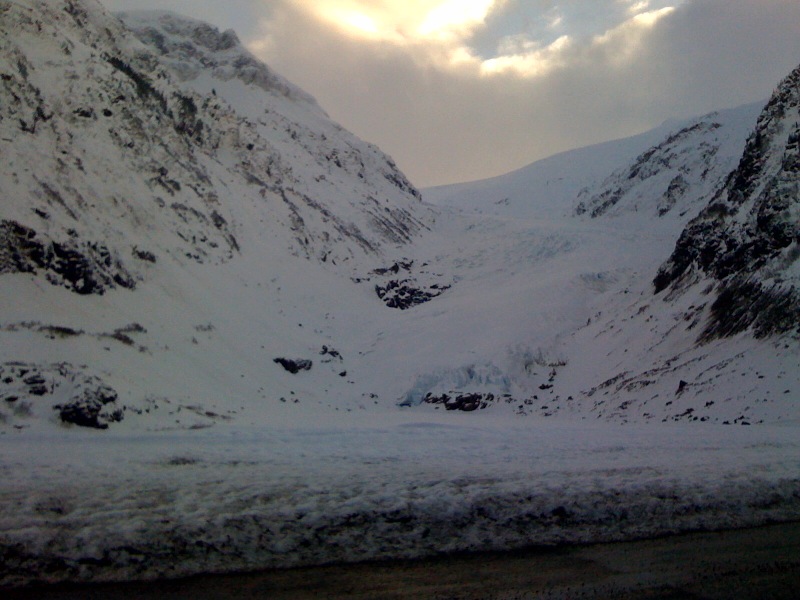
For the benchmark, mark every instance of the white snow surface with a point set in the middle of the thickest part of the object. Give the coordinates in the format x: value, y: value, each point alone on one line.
x: 143, y: 506
x: 607, y: 420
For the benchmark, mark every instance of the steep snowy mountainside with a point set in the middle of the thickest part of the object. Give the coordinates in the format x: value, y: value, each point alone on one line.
x: 714, y: 337
x: 160, y: 248
x: 102, y: 170
x: 191, y: 47
x: 679, y: 160
x: 746, y: 242
x: 675, y: 176
x: 546, y: 188
x: 126, y: 166
x: 339, y: 181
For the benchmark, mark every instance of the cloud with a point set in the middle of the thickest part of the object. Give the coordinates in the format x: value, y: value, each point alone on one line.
x: 447, y: 120
x: 403, y: 22
x: 527, y: 58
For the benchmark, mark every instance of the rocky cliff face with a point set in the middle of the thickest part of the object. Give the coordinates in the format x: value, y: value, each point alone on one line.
x: 747, y: 240
x: 104, y: 170
x: 112, y: 164
x: 338, y: 186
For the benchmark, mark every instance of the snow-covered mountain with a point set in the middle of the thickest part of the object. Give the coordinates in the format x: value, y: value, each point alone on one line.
x: 187, y: 229
x: 294, y: 359
x: 128, y: 168
x: 340, y: 188
x: 747, y: 240
x: 715, y: 338
x: 114, y: 131
x: 616, y: 177
x: 653, y: 351
x: 677, y: 174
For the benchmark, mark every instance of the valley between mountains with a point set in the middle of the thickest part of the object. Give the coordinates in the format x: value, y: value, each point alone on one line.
x: 235, y: 336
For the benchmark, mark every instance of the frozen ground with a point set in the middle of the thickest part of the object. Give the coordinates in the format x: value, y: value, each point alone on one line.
x: 77, y: 506
x: 746, y: 564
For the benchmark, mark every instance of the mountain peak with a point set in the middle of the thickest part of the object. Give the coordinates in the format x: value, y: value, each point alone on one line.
x: 191, y: 47
x: 676, y: 176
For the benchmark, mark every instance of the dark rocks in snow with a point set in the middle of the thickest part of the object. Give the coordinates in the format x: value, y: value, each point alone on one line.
x: 89, y: 409
x: 395, y: 268
x: 676, y: 190
x: 331, y: 353
x: 144, y: 255
x: 407, y: 292
x: 37, y: 385
x: 403, y: 294
x: 33, y: 389
x: 294, y: 366
x: 466, y: 402
x: 21, y: 380
x: 767, y: 309
x: 81, y: 267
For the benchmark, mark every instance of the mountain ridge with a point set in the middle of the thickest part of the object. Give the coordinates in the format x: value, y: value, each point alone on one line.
x: 203, y: 240
x: 746, y: 239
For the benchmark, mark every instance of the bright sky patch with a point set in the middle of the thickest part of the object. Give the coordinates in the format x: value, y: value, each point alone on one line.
x: 523, y: 37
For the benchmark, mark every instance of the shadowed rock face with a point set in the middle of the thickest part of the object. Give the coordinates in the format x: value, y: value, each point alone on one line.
x: 747, y: 240
x: 84, y: 268
x: 294, y: 365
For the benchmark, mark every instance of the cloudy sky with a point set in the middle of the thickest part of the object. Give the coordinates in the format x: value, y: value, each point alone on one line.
x: 457, y: 90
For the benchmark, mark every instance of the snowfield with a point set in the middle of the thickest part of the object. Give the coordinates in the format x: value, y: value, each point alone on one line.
x: 142, y: 506
x: 234, y: 336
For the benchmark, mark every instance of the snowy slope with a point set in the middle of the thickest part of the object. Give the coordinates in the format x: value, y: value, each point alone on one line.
x: 158, y: 240
x: 629, y: 172
x: 710, y: 335
x: 233, y: 336
x: 627, y: 355
x: 341, y: 183
x: 679, y: 172
x: 547, y: 188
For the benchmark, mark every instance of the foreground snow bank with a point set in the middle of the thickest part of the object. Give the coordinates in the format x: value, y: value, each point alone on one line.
x: 115, y: 506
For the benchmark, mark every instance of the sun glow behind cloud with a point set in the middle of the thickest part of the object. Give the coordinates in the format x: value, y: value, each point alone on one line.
x: 528, y: 58
x: 439, y: 32
x: 453, y: 18
x: 402, y: 21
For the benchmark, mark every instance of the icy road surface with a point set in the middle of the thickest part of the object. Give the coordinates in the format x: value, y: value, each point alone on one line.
x: 105, y: 506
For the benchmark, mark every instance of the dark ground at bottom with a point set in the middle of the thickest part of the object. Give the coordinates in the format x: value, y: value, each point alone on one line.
x: 747, y: 564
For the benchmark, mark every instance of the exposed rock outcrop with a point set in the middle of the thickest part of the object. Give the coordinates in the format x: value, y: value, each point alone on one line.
x: 747, y: 240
